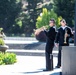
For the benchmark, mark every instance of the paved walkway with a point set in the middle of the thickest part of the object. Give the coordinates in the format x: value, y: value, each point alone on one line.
x: 28, y: 65
x: 29, y: 62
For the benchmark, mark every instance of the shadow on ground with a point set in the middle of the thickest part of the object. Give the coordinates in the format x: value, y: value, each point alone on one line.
x: 57, y: 73
x: 35, y: 72
x: 39, y: 46
x: 31, y: 46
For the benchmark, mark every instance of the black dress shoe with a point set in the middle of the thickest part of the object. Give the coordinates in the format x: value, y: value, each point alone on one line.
x: 57, y: 66
x: 60, y: 73
x: 46, y: 70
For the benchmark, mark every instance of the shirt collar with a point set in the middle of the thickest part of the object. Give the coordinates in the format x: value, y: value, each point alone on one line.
x: 63, y: 27
x: 54, y: 27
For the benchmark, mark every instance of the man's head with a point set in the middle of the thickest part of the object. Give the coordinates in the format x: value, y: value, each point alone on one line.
x: 63, y: 22
x: 52, y: 22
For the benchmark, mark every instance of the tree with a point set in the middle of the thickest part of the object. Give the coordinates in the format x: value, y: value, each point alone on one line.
x: 65, y: 8
x: 46, y: 15
x: 32, y: 11
x: 9, y: 11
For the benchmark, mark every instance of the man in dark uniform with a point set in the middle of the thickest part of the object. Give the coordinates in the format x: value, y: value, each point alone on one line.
x: 51, y: 33
x: 62, y: 39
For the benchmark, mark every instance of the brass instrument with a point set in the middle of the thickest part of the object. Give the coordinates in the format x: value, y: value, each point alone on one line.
x: 42, y: 28
x: 65, y: 37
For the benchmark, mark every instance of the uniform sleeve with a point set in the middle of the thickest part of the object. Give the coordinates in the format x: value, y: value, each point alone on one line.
x: 70, y: 32
x: 57, y: 37
x: 48, y: 33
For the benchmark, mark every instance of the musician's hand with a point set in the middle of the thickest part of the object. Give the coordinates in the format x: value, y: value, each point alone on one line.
x: 66, y: 35
x: 44, y: 28
x: 56, y: 44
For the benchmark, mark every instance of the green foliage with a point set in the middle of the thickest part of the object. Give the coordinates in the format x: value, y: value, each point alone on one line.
x: 19, y: 16
x: 2, y: 41
x: 10, y: 10
x: 65, y: 8
x: 7, y: 58
x: 32, y: 35
x: 32, y: 11
x: 1, y: 29
x: 1, y: 37
x: 45, y: 16
x: 18, y: 22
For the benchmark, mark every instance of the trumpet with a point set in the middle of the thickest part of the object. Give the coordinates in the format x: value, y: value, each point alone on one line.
x: 65, y: 37
x: 42, y: 28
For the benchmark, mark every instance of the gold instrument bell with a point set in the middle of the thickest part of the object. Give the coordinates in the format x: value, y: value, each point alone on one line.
x: 65, y: 37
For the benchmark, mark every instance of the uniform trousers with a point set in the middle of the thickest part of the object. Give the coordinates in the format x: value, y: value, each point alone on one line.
x: 48, y: 52
x: 59, y: 56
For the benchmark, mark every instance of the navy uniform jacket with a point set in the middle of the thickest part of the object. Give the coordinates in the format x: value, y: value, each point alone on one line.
x: 50, y: 38
x: 50, y: 35
x: 61, y: 35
